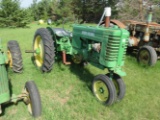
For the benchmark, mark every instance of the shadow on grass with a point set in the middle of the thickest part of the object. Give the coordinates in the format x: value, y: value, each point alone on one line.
x: 79, y: 70
x: 82, y: 73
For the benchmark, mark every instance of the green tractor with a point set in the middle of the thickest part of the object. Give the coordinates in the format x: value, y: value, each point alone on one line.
x: 103, y: 47
x: 30, y: 94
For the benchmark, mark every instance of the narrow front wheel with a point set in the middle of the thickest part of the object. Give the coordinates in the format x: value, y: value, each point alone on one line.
x: 104, y: 89
x: 119, y: 85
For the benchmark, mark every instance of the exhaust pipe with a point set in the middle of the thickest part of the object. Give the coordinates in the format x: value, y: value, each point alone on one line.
x: 64, y: 58
x: 107, y: 14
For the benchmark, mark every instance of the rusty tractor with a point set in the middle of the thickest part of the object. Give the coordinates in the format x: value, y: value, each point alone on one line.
x: 144, y: 39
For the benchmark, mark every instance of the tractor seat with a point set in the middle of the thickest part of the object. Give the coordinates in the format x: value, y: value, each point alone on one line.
x: 60, y: 32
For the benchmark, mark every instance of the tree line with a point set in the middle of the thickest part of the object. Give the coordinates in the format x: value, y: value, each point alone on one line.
x: 12, y: 15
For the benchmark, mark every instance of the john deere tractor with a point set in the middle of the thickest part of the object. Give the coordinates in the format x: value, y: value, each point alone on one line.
x: 103, y: 47
x: 30, y: 94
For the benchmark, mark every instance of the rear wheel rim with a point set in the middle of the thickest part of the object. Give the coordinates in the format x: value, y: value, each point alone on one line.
x: 38, y: 47
x: 101, y: 90
x: 144, y: 57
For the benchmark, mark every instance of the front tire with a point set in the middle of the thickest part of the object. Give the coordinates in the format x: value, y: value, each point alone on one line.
x: 32, y: 99
x: 147, y: 56
x: 104, y: 89
x: 119, y: 85
x: 43, y: 46
x: 14, y: 56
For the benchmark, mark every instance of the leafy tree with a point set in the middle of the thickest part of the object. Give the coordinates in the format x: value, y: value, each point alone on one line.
x: 59, y: 11
x: 91, y: 10
x: 41, y: 10
x: 34, y: 11
x: 138, y: 9
x: 71, y: 10
x: 156, y: 10
x: 11, y: 15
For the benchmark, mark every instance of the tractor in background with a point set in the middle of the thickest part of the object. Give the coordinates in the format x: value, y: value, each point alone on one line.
x: 103, y: 47
x: 30, y: 95
x: 144, y: 40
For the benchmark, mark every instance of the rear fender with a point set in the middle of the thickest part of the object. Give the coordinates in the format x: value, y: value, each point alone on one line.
x: 59, y: 32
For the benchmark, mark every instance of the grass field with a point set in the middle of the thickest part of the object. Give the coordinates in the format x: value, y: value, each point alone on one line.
x: 66, y: 91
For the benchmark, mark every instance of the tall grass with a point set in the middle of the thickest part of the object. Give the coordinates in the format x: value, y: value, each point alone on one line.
x: 66, y: 91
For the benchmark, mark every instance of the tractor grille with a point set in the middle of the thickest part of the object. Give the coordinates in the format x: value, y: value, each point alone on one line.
x: 113, y: 48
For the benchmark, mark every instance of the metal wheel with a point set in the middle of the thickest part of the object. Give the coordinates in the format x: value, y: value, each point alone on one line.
x: 38, y: 46
x: 104, y: 89
x: 147, y: 56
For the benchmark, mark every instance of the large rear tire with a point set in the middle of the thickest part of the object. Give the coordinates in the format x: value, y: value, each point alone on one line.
x: 43, y: 46
x: 32, y: 99
x: 14, y: 56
